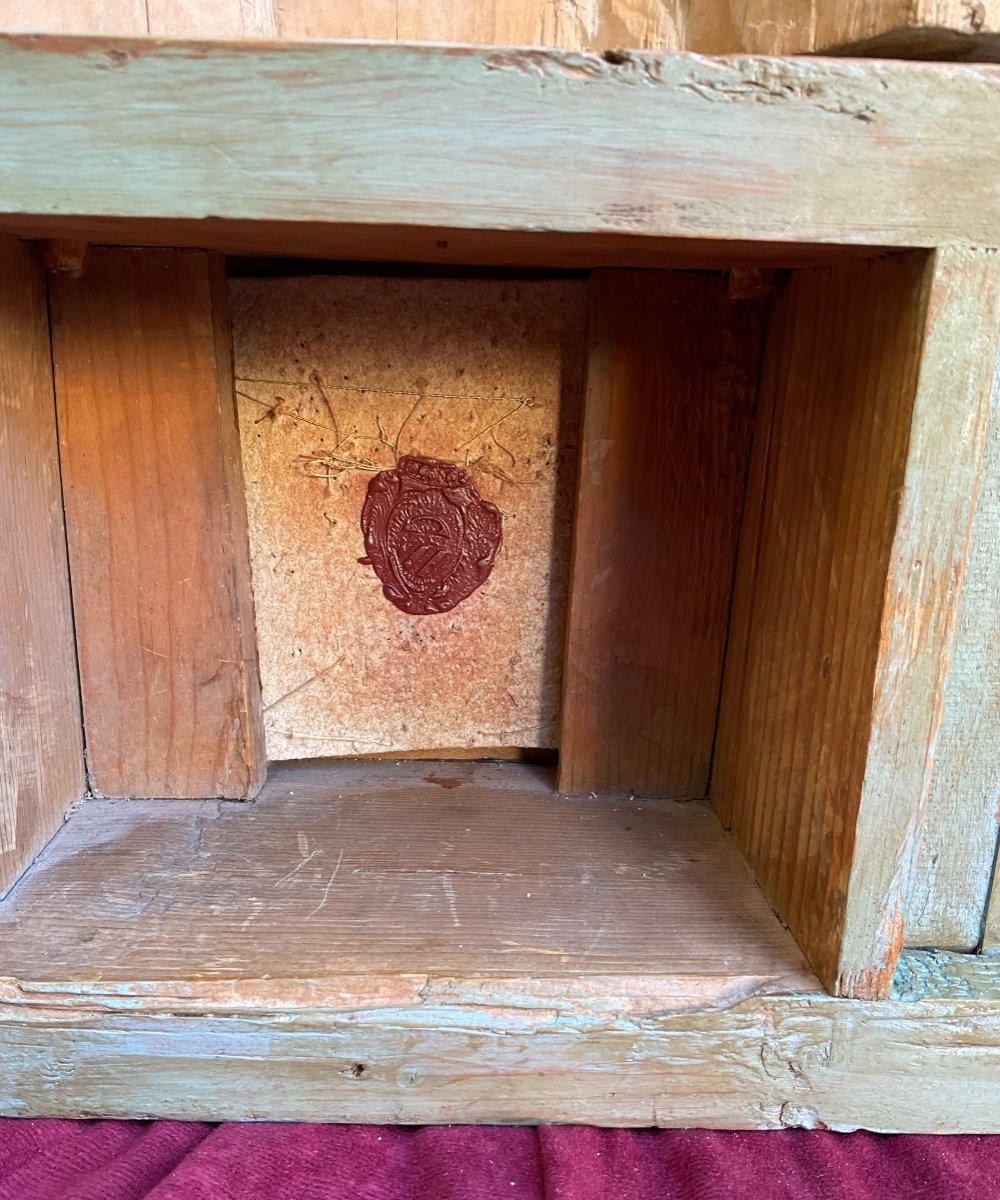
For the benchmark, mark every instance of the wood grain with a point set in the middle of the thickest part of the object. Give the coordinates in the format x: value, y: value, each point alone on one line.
x: 440, y: 247
x: 957, y: 841
x: 604, y: 1049
x: 941, y: 29
x: 671, y: 381
x: 391, y: 869
x: 946, y: 29
x: 944, y: 474
x: 434, y: 363
x: 162, y: 18
x: 117, y: 17
x: 807, y: 164
x: 930, y: 29
x: 157, y: 525
x: 755, y: 26
x: 876, y: 399
x: 587, y: 25
x: 796, y: 720
x: 41, y: 747
x: 220, y: 18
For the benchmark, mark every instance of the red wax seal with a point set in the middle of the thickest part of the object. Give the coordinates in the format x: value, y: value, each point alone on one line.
x: 430, y: 536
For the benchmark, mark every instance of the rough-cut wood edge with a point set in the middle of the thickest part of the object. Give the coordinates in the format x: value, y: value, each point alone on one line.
x: 959, y: 369
x: 251, y: 714
x: 756, y: 149
x: 41, y: 739
x: 957, y: 845
x: 635, y: 1052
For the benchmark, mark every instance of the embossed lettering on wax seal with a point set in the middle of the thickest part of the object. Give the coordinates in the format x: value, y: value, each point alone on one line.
x: 431, y: 538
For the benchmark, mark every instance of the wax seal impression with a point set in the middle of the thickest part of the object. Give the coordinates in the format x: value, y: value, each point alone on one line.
x: 429, y: 535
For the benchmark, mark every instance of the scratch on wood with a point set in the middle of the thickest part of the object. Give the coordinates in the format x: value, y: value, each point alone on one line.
x: 305, y: 683
x: 448, y: 887
x: 295, y: 870
x: 326, y: 890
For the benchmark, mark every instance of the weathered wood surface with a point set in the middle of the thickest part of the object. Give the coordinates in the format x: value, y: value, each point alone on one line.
x: 41, y: 747
x: 957, y: 842
x: 887, y: 28
x: 383, y: 869
x: 837, y: 393
x: 443, y: 247
x: 786, y: 152
x: 606, y: 1051
x: 672, y: 377
x: 415, y: 944
x: 590, y: 25
x: 161, y: 18
x: 940, y: 975
x: 157, y: 525
x: 946, y: 459
x: 827, y: 772
x: 433, y: 363
x: 944, y: 29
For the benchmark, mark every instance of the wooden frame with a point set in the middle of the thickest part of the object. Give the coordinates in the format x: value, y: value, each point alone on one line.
x: 745, y: 163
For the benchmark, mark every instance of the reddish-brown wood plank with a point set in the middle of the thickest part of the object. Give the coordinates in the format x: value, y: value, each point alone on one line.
x: 157, y: 525
x: 874, y: 405
x: 672, y: 373
x: 41, y: 749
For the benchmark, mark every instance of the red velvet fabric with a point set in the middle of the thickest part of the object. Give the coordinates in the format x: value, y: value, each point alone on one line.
x: 161, y: 1160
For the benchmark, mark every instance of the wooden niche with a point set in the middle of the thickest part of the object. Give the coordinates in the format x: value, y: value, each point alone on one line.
x: 707, y: 573
x: 645, y: 829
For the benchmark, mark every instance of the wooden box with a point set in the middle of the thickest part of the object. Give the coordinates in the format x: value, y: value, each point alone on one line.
x: 734, y: 867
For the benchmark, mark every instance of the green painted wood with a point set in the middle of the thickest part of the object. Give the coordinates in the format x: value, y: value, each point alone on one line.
x: 940, y: 975
x: 958, y: 375
x: 788, y: 151
x: 614, y: 1052
x: 957, y: 846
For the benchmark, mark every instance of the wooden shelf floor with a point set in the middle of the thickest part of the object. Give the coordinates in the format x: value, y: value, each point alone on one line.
x: 385, y: 869
x: 428, y: 941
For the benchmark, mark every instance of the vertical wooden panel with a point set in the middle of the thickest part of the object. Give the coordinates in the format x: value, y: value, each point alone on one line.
x: 41, y: 747
x: 944, y: 476
x: 885, y: 28
x: 575, y: 24
x: 219, y: 18
x: 753, y: 26
x: 909, y: 28
x: 874, y: 403
x: 957, y: 843
x: 157, y: 525
x: 163, y: 18
x: 672, y: 373
x: 889, y: 28
x: 829, y: 457
x: 113, y: 17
